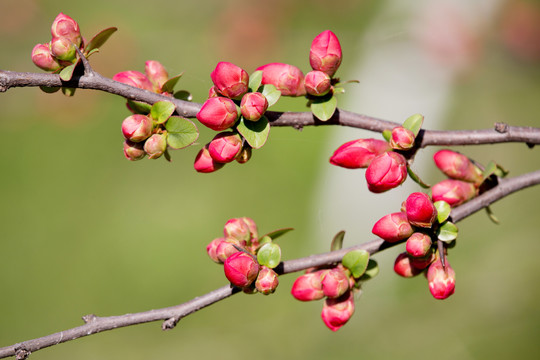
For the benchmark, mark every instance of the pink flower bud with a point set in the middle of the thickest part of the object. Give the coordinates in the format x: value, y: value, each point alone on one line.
x: 225, y: 147
x: 218, y: 113
x: 252, y: 227
x: 336, y: 312
x: 454, y: 192
x: 325, y: 53
x: 241, y: 269
x: 423, y: 262
x: 226, y: 248
x: 393, y: 227
x: 204, y: 163
x: 308, y: 287
x: 253, y: 106
x: 402, y: 139
x: 288, y: 79
x: 155, y: 146
x: 418, y: 245
x: 267, y: 281
x: 457, y: 166
x: 230, y: 80
x: 137, y: 127
x: 63, y: 49
x: 212, y: 92
x: 211, y: 249
x: 135, y: 79
x: 133, y: 151
x: 156, y: 73
x: 237, y: 229
x: 317, y: 83
x: 386, y: 171
x: 403, y: 267
x: 358, y: 153
x: 335, y: 283
x: 66, y: 27
x: 42, y: 58
x: 441, y: 282
x: 244, y: 155
x: 420, y: 210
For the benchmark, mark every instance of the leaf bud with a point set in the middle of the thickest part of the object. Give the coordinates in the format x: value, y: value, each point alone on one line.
x: 218, y: 113
x: 253, y: 106
x: 230, y: 80
x: 359, y: 153
x: 317, y: 83
x: 325, y: 53
x: 288, y: 79
x: 393, y: 227
x: 241, y: 269
x: 386, y: 171
x: 42, y: 58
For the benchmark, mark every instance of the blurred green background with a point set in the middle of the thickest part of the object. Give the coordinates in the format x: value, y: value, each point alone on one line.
x: 85, y: 231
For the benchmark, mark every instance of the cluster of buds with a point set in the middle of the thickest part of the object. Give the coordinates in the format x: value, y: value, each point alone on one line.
x: 248, y: 260
x: 324, y: 57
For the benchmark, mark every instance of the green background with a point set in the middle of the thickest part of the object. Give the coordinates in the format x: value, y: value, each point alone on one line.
x: 85, y: 231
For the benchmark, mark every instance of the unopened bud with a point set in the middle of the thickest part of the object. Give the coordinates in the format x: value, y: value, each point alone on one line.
x: 137, y: 127
x: 358, y: 153
x: 403, y: 266
x: 133, y: 151
x: 204, y: 163
x: 156, y: 73
x: 336, y: 312
x: 252, y: 227
x: 325, y: 53
x: 218, y: 113
x: 42, y: 58
x: 423, y: 262
x: 317, y: 83
x: 241, y: 269
x: 308, y: 287
x: 335, y: 283
x: 454, y: 192
x: 212, y: 92
x: 63, y: 49
x: 267, y: 281
x: 237, y: 229
x: 211, y: 249
x: 441, y: 280
x: 386, y: 171
x: 420, y: 210
x: 418, y: 245
x: 155, y: 146
x: 457, y: 166
x: 253, y: 106
x: 230, y: 80
x: 244, y: 155
x: 225, y: 147
x: 64, y: 26
x: 288, y: 79
x: 393, y: 227
x: 402, y: 139
x: 226, y: 248
x: 135, y: 79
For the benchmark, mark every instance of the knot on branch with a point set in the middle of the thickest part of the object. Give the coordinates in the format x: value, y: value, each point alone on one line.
x: 21, y: 354
x: 89, y: 318
x: 501, y: 127
x: 170, y: 323
x: 3, y: 82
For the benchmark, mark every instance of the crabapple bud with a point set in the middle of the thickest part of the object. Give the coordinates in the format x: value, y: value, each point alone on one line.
x: 267, y: 281
x: 155, y: 146
x: 335, y: 283
x: 336, y: 312
x: 418, y: 245
x: 403, y: 266
x: 420, y: 210
x: 230, y: 80
x: 241, y: 269
x: 441, y: 280
x: 218, y: 113
x: 325, y: 53
x: 386, y: 171
x: 308, y: 287
x: 133, y: 151
x: 137, y: 127
x: 156, y: 73
x: 401, y: 139
x: 317, y: 83
x: 211, y: 249
x: 42, y: 58
x: 393, y: 227
x: 457, y: 166
x: 63, y: 49
x: 358, y: 153
x: 253, y: 106
x: 225, y: 147
x: 64, y: 26
x: 288, y: 79
x: 135, y: 79
x: 454, y: 192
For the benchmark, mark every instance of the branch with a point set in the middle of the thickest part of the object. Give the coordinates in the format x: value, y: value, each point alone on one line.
x: 171, y: 315
x: 501, y: 133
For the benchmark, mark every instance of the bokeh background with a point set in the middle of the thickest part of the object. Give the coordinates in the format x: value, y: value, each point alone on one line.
x: 85, y: 231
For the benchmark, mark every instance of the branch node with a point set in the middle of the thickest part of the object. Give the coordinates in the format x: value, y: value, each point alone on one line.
x: 170, y: 323
x: 89, y: 318
x: 88, y: 71
x: 22, y: 354
x: 501, y: 127
x: 298, y: 127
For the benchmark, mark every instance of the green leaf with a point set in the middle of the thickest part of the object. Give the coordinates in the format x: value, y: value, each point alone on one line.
x: 171, y: 83
x: 371, y: 271
x: 49, y: 89
x: 493, y: 168
x: 269, y: 255
x: 161, y: 111
x: 255, y: 80
x: 414, y: 123
x: 492, y: 216
x: 139, y: 107
x: 416, y: 178
x: 183, y: 95
x: 447, y: 232
x: 99, y: 39
x: 277, y: 233
x: 356, y: 261
x: 443, y: 210
x: 264, y: 240
x: 271, y: 93
x: 387, y: 135
x: 67, y: 73
x: 337, y: 241
x: 255, y: 132
x: 93, y: 51
x: 182, y: 132
x: 68, y: 91
x: 338, y: 90
x: 324, y: 108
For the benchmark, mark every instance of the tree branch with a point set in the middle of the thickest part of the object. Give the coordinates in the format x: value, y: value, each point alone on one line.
x: 171, y: 315
x: 501, y: 133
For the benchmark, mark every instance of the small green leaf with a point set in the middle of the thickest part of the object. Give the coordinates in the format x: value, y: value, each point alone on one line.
x: 67, y: 73
x: 337, y: 241
x: 171, y: 83
x: 447, y: 232
x: 387, y: 135
x: 443, y: 210
x: 271, y: 94
x: 338, y: 90
x: 371, y: 271
x: 277, y: 233
x: 182, y: 132
x: 161, y: 111
x: 324, y: 108
x: 490, y: 169
x: 416, y: 178
x: 255, y: 132
x: 269, y: 255
x: 492, y: 216
x: 255, y: 80
x: 93, y: 51
x: 414, y: 123
x: 356, y: 261
x: 68, y: 91
x: 49, y: 90
x: 139, y: 107
x: 347, y: 82
x: 183, y: 95
x: 99, y: 39
x: 264, y: 240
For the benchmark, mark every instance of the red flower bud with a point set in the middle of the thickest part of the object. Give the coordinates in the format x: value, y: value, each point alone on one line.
x: 308, y: 287
x: 156, y: 73
x: 336, y: 312
x: 454, y: 192
x: 133, y: 151
x: 335, y: 283
x: 403, y: 266
x: 288, y: 79
x: 63, y: 49
x: 204, y: 163
x: 252, y: 227
x: 225, y: 147
x: 457, y: 166
x: 137, y: 127
x: 218, y: 113
x: 423, y: 262
x: 418, y: 245
x: 135, y: 79
x: 420, y: 210
x: 211, y: 249
x: 42, y: 58
x: 241, y: 269
x: 325, y: 53
x: 393, y: 227
x: 441, y: 282
x: 386, y: 171
x: 267, y: 281
x: 402, y: 139
x: 212, y: 92
x: 237, y: 229
x: 66, y: 27
x: 155, y: 146
x: 226, y: 248
x: 358, y: 153
x: 317, y: 83
x: 230, y: 80
x: 253, y: 106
